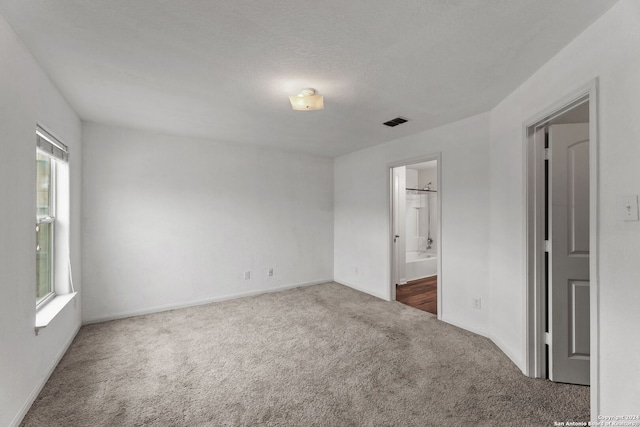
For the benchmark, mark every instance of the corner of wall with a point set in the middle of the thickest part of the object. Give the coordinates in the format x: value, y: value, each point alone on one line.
x: 363, y: 289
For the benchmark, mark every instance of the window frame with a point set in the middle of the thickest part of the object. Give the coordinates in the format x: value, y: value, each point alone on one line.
x: 49, y: 219
x: 57, y: 154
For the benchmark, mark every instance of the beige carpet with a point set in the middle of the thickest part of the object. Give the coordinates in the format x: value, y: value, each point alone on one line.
x: 323, y: 355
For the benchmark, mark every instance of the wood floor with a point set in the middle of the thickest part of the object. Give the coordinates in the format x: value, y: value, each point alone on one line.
x: 421, y: 294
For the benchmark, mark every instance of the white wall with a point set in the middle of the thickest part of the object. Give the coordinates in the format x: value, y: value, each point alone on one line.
x: 414, y: 239
x: 410, y: 238
x: 419, y: 179
x: 608, y: 49
x: 361, y: 227
x: 27, y: 97
x: 412, y: 178
x: 426, y: 176
x: 171, y: 221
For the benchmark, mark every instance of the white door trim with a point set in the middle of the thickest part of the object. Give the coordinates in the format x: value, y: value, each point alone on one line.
x: 534, y: 244
x: 408, y: 162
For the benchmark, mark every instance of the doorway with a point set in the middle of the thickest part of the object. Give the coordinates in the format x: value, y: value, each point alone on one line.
x: 562, y: 241
x: 415, y: 240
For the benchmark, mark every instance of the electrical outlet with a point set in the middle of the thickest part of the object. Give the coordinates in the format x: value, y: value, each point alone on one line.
x: 247, y: 275
x: 270, y: 272
x: 628, y: 208
x: 355, y: 270
x: 477, y: 303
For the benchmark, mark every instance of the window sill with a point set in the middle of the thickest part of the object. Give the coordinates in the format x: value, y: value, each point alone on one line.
x: 46, y: 314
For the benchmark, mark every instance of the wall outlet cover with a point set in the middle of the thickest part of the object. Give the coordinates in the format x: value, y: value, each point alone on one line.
x: 627, y: 208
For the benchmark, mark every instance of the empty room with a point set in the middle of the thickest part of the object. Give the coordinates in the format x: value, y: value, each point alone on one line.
x: 320, y: 213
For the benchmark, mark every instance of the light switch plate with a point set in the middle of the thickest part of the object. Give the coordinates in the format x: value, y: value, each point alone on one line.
x: 628, y: 208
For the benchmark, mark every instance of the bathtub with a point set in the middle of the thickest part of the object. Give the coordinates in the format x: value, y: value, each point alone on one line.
x: 420, y: 264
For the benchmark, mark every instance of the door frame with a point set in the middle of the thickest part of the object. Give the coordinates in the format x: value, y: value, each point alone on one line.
x: 408, y: 162
x: 534, y: 302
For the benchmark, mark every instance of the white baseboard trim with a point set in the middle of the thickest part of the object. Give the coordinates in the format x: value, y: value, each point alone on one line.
x: 361, y: 289
x: 519, y: 362
x: 466, y: 327
x: 167, y: 307
x: 38, y: 388
x: 510, y: 354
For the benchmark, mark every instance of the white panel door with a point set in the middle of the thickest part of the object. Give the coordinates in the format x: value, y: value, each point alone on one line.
x: 569, y: 258
x: 399, y: 218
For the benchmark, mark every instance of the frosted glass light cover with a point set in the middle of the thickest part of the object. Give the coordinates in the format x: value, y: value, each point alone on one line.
x: 307, y: 102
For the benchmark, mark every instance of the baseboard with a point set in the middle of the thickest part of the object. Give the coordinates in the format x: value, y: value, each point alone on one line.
x: 461, y: 325
x: 167, y: 307
x: 358, y: 288
x: 519, y: 362
x: 503, y: 348
x: 38, y: 388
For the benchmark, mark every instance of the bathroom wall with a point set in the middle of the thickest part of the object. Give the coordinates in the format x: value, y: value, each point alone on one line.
x: 412, y: 177
x: 417, y: 204
x: 426, y: 176
x: 412, y: 236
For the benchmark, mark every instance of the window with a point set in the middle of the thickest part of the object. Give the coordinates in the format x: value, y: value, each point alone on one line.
x: 52, y: 212
x: 45, y: 226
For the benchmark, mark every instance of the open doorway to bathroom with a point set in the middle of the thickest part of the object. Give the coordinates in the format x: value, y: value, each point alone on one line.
x: 415, y: 214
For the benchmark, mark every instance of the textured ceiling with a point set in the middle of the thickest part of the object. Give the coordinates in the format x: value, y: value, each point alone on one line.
x: 224, y: 70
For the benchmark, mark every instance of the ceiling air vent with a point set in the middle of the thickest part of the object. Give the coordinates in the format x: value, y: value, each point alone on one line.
x: 395, y: 122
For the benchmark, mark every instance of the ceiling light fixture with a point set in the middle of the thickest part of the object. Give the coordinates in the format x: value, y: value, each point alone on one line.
x: 307, y: 100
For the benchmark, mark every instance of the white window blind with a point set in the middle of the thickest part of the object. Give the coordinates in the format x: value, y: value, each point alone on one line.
x: 51, y: 146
